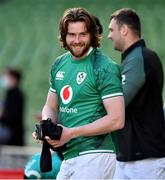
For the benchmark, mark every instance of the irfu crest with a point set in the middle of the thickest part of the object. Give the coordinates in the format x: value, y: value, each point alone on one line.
x: 81, y: 77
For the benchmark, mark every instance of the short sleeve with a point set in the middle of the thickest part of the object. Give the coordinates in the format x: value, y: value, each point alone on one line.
x: 110, y: 81
x: 52, y: 80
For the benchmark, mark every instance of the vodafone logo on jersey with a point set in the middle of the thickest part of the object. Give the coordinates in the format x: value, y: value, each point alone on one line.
x: 66, y: 94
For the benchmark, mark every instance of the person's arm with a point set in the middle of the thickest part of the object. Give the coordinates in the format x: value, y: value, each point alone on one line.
x: 50, y: 109
x: 133, y: 78
x: 114, y: 120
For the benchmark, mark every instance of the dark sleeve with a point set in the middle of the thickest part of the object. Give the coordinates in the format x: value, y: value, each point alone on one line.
x: 133, y: 78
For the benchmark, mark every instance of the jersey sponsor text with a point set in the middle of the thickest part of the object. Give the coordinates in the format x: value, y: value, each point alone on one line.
x: 68, y: 110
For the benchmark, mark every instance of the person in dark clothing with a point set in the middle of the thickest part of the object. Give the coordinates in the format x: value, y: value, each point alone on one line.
x: 141, y: 143
x: 11, y: 119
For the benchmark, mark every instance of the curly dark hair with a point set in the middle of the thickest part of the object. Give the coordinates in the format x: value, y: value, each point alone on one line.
x: 82, y: 15
x: 99, y: 25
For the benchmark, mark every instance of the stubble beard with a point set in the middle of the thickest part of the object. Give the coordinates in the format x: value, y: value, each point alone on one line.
x: 81, y: 53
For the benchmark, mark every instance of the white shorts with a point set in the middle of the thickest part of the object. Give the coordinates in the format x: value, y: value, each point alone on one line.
x: 151, y: 168
x: 89, y: 166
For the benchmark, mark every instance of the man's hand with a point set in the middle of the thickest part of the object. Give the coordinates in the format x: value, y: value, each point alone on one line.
x: 35, y: 138
x: 67, y: 135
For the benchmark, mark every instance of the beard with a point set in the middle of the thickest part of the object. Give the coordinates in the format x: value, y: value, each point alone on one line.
x: 78, y: 50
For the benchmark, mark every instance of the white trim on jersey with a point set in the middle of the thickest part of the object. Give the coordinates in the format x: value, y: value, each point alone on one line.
x: 96, y: 151
x: 89, y: 51
x: 112, y: 95
x: 52, y: 90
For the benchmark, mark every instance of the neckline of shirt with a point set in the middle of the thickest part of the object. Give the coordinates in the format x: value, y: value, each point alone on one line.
x: 75, y: 61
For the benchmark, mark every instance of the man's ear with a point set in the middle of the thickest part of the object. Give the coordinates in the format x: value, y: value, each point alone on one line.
x: 124, y: 30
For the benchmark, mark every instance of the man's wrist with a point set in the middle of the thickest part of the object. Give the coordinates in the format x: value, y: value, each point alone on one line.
x: 76, y: 132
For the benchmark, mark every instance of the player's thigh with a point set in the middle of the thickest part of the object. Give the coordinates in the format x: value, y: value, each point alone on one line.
x: 161, y: 168
x: 66, y: 169
x: 95, y: 166
x: 150, y: 168
x: 119, y: 170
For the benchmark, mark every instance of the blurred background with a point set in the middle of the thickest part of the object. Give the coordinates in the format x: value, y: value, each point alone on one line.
x: 28, y: 40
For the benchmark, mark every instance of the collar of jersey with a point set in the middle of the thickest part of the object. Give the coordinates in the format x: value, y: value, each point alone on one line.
x: 90, y: 51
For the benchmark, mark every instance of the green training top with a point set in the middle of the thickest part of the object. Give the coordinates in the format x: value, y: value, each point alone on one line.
x: 81, y: 86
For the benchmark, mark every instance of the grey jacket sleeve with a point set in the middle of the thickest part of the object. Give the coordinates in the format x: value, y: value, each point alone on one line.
x: 133, y: 78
